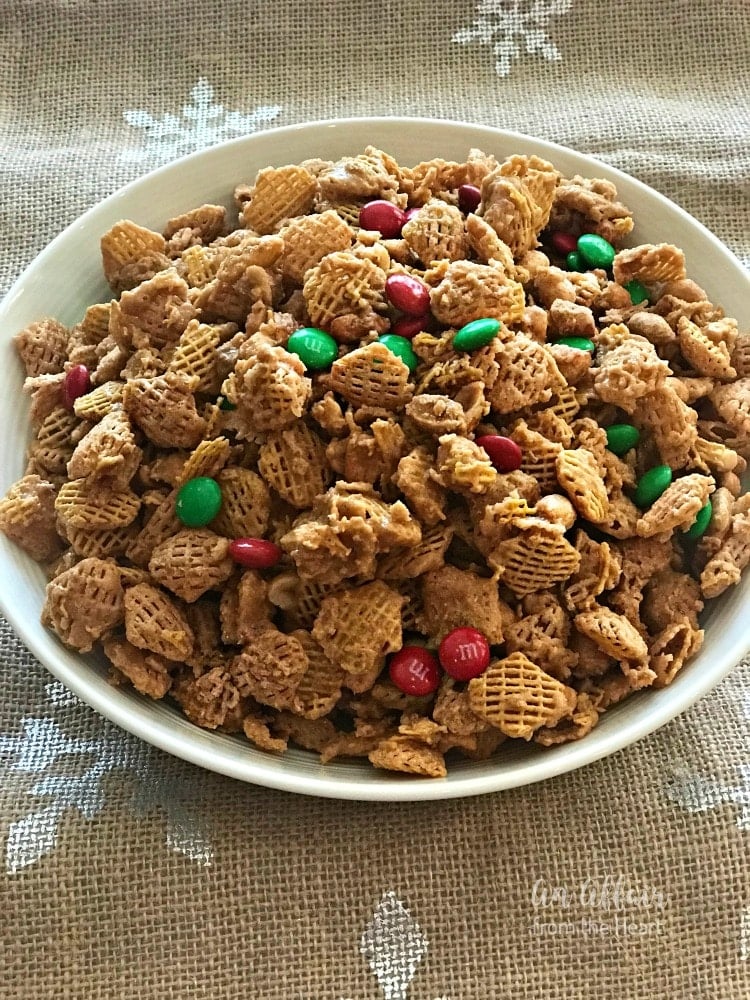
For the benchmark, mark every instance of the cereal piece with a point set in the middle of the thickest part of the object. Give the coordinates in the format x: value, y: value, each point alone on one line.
x: 370, y: 457
x: 278, y: 193
x: 599, y: 570
x: 344, y: 283
x: 539, y: 455
x: 27, y: 517
x: 542, y: 635
x: 517, y: 372
x: 208, y: 459
x: 258, y: 732
x: 244, y: 605
x: 649, y: 263
x: 293, y: 463
x: 84, y: 603
x: 452, y: 598
x: 671, y: 596
x: 410, y: 562
x: 724, y: 569
x: 153, y: 315
x: 517, y: 199
x: 147, y: 672
x: 42, y: 347
x: 436, y: 232
x: 191, y: 562
x: 706, y: 355
x: 677, y: 506
x: 154, y: 622
x: 245, y: 504
x: 97, y: 403
x: 404, y: 753
x: 195, y: 354
x: 671, y: 648
x: 209, y: 700
x: 470, y: 291
x: 372, y: 376
x: 487, y: 245
x: 126, y: 245
x: 517, y: 697
x: 320, y: 686
x: 270, y: 666
x: 568, y: 319
x: 590, y: 205
x: 671, y: 423
x: 582, y: 720
x: 269, y: 389
x: 54, y: 444
x: 198, y: 226
x: 308, y: 239
x: 628, y: 372
x: 732, y: 403
x: 162, y: 523
x: 537, y: 559
x: 83, y: 504
x: 414, y: 478
x: 372, y: 174
x: 107, y: 453
x: 463, y: 466
x: 357, y: 628
x: 329, y: 414
x: 613, y: 633
x: 578, y: 474
x: 165, y: 410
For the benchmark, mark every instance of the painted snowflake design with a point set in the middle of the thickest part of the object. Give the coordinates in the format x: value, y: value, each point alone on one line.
x: 200, y: 123
x: 393, y: 944
x: 44, y: 744
x: 512, y: 27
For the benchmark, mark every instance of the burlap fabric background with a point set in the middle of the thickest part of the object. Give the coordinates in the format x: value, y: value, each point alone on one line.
x: 130, y: 874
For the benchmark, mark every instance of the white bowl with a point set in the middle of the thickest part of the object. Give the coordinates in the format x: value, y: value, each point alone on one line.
x: 67, y: 277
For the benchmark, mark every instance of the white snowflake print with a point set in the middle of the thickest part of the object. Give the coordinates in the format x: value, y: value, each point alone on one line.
x: 511, y: 27
x: 199, y: 124
x: 393, y: 944
x: 44, y: 744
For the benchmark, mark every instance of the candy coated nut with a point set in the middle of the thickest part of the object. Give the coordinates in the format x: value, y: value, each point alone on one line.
x: 701, y: 522
x: 315, y: 348
x: 580, y: 343
x: 469, y: 197
x: 651, y: 485
x: 476, y: 334
x: 77, y: 383
x: 254, y: 553
x: 504, y: 453
x: 415, y: 671
x: 384, y: 216
x: 464, y: 653
x: 622, y: 437
x: 563, y: 243
x: 638, y: 293
x: 574, y: 261
x: 408, y: 294
x: 401, y: 347
x: 410, y: 326
x: 198, y: 502
x: 595, y: 250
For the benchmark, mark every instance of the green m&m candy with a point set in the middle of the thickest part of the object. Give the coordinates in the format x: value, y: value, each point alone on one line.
x: 224, y: 404
x: 595, y: 250
x: 198, y: 502
x: 622, y: 437
x: 476, y: 334
x: 402, y: 348
x: 701, y: 522
x: 580, y: 343
x: 638, y: 293
x: 315, y: 348
x: 651, y: 485
x: 574, y: 261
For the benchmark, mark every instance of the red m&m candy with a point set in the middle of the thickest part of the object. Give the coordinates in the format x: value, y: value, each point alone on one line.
x: 504, y: 453
x: 469, y: 197
x: 384, y: 216
x: 564, y: 243
x: 408, y: 294
x: 254, y: 553
x: 415, y: 671
x: 410, y: 326
x: 464, y: 653
x: 77, y: 383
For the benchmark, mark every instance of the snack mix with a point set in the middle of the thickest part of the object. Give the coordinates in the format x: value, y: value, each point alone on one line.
x: 415, y: 461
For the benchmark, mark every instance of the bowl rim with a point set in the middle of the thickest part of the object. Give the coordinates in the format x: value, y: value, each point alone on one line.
x: 214, y: 751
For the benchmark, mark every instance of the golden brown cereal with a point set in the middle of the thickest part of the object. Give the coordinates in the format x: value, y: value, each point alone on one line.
x: 165, y: 409
x: 27, y: 517
x: 127, y: 244
x: 245, y: 505
x: 677, y: 506
x: 191, y: 562
x: 293, y: 462
x: 244, y: 604
x: 344, y: 283
x: 517, y: 372
x: 108, y: 453
x: 613, y: 633
x: 518, y: 697
x: 154, y: 622
x: 578, y: 474
x: 404, y: 753
x: 270, y: 666
x: 147, y: 672
x: 452, y: 598
x: 81, y: 503
x: 42, y: 347
x: 534, y: 560
x: 471, y: 291
x: 278, y: 193
x: 356, y: 628
x: 649, y: 263
x: 84, y: 603
x: 372, y: 376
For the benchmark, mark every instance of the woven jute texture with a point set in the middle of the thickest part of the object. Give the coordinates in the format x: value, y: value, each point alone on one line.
x: 128, y: 873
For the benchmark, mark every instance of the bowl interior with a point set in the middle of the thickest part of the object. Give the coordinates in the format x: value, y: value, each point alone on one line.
x: 67, y: 277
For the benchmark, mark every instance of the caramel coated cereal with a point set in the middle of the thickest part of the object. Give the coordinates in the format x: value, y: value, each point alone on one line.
x: 381, y: 480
